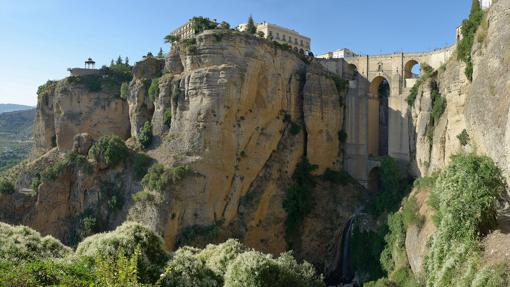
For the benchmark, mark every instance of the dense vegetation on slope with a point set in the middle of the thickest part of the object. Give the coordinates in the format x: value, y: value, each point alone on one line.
x: 132, y: 255
x: 469, y: 28
x: 464, y: 199
x: 15, y: 137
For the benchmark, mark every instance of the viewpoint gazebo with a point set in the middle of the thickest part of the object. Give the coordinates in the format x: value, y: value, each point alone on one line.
x: 90, y: 64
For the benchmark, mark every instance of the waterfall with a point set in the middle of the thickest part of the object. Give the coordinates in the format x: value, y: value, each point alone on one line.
x: 346, y: 274
x: 343, y: 272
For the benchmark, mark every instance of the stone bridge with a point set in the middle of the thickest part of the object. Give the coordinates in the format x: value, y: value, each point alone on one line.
x: 376, y: 119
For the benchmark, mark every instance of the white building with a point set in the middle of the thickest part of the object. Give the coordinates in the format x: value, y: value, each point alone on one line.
x: 338, y: 54
x: 282, y: 35
x: 485, y: 4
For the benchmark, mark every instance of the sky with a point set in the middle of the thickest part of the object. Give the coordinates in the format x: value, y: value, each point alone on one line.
x: 40, y: 39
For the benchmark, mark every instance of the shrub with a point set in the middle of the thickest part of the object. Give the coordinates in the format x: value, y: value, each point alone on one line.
x: 393, y: 187
x: 167, y: 117
x: 129, y: 237
x: 200, y: 24
x: 463, y: 137
x: 253, y: 268
x: 438, y: 106
x: 22, y: 243
x: 411, y: 214
x: 153, y: 90
x: 118, y: 270
x: 298, y: 201
x: 141, y: 163
x: 159, y: 177
x: 36, y: 181
x: 6, y: 186
x: 47, y: 272
x: 413, y: 93
x: 142, y: 196
x: 365, y: 250
x: 337, y: 177
x: 185, y: 269
x: 124, y: 89
x: 469, y: 28
x: 466, y: 192
x: 71, y: 160
x: 426, y: 181
x: 218, y: 257
x: 145, y: 135
x: 294, y: 128
x: 109, y: 150
x: 171, y: 38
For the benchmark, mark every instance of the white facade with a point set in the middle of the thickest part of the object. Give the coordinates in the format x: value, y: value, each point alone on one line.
x: 485, y: 4
x: 282, y: 35
x: 338, y: 54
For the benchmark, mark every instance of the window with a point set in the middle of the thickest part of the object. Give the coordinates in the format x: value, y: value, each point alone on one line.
x: 290, y: 39
x: 301, y: 43
x: 295, y: 41
x: 283, y: 37
x: 277, y: 35
x: 271, y: 33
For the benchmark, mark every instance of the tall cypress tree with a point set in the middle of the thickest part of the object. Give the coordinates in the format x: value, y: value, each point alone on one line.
x: 250, y: 27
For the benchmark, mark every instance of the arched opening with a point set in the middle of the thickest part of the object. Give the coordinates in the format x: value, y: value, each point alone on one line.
x: 353, y: 68
x: 378, y: 117
x: 412, y: 70
x: 373, y: 180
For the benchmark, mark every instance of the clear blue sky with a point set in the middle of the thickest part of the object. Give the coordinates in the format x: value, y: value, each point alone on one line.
x: 40, y: 39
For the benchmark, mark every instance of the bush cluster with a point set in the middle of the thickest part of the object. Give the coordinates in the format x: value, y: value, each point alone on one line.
x: 141, y: 164
x: 71, y: 160
x: 469, y: 28
x: 158, y: 177
x: 463, y: 137
x: 132, y: 255
x: 393, y: 187
x: 145, y: 135
x: 466, y: 192
x: 6, y: 186
x: 109, y: 150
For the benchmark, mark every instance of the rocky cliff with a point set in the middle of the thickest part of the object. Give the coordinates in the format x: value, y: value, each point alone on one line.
x: 235, y: 111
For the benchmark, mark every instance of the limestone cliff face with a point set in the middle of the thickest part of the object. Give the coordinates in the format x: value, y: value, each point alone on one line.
x: 141, y: 108
x: 66, y: 108
x: 244, y: 113
x: 480, y: 107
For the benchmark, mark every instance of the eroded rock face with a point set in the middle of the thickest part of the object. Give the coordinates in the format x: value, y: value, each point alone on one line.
x: 82, y: 143
x: 141, y: 107
x: 65, y: 109
x: 480, y: 107
x: 243, y: 115
x: 233, y: 102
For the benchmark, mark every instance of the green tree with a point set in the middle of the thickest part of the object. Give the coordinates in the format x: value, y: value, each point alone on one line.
x: 160, y: 53
x: 145, y: 135
x: 126, y: 61
x: 225, y: 25
x: 171, y: 38
x: 250, y: 27
x: 119, y: 61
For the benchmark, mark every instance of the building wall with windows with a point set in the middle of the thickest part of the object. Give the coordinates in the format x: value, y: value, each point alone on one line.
x: 185, y: 31
x: 282, y: 35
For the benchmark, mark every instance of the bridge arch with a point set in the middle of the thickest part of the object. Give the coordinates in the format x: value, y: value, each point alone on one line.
x: 378, y: 116
x: 409, y: 67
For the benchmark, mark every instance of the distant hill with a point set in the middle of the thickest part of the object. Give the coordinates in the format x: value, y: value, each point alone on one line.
x: 4, y: 108
x: 19, y: 123
x: 16, y: 138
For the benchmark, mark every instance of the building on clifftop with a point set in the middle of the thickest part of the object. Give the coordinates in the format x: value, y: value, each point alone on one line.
x: 282, y: 35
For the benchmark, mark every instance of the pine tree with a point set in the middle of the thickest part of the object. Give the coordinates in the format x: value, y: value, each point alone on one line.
x: 111, y: 63
x: 250, y: 27
x: 126, y: 61
x: 119, y: 60
x: 160, y: 53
